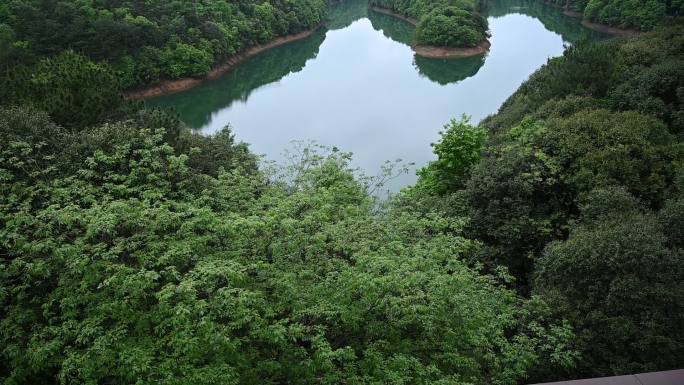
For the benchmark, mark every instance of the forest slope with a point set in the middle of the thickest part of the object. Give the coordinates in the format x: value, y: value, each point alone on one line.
x: 146, y: 41
x: 642, y: 15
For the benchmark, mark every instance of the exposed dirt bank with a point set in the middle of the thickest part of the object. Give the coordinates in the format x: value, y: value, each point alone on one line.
x: 451, y: 52
x: 169, y: 87
x: 611, y: 30
x: 575, y: 14
x: 434, y: 52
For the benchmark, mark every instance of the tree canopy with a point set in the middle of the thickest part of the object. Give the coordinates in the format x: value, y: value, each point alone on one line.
x: 449, y: 23
x: 147, y: 41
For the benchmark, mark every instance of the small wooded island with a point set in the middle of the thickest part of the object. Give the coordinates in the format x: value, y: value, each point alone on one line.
x: 444, y: 29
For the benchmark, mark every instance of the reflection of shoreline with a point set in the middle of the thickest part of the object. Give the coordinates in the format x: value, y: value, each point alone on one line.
x: 236, y: 85
x: 169, y: 87
x: 434, y: 52
x: 386, y: 11
x: 603, y: 28
x: 567, y: 23
x: 445, y: 71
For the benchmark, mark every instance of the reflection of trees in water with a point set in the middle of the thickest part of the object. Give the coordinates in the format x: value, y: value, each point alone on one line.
x: 197, y: 104
x: 445, y: 71
x: 551, y: 17
x: 442, y: 71
x: 392, y: 27
x: 341, y: 13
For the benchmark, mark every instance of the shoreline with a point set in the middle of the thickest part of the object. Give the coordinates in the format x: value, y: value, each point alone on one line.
x: 388, y: 12
x: 621, y: 32
x: 603, y: 28
x: 169, y: 87
x: 435, y: 52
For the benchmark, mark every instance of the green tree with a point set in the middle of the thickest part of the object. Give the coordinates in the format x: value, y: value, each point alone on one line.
x: 75, y: 91
x: 458, y: 150
x: 451, y: 27
x: 617, y: 281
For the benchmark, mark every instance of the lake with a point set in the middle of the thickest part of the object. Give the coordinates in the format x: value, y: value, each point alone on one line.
x: 357, y: 85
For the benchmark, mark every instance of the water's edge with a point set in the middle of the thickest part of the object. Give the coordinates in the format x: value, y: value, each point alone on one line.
x: 174, y: 86
x: 434, y: 52
x: 603, y: 28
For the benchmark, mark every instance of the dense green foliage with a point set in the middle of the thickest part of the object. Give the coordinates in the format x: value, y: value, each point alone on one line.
x: 71, y: 88
x: 126, y: 259
x: 457, y: 152
x: 638, y: 14
x: 451, y: 23
x: 145, y: 41
x: 619, y: 278
x: 545, y: 243
x: 578, y: 191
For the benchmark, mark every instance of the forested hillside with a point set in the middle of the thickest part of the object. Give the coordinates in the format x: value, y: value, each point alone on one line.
x: 145, y: 41
x: 543, y: 244
x: 637, y: 14
x: 446, y: 23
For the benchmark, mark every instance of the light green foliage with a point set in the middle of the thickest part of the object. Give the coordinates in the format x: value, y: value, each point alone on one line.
x: 457, y: 151
x: 183, y: 59
x: 545, y: 243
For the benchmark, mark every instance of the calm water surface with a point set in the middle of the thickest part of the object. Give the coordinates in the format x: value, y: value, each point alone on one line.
x: 358, y: 86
